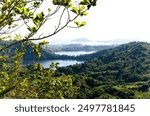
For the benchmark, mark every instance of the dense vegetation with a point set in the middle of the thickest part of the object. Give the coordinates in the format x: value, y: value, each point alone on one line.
x: 121, y: 72
x: 28, y: 55
x: 29, y: 16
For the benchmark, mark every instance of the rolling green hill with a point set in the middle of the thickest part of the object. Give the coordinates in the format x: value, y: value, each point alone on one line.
x: 45, y: 55
x: 48, y: 53
x: 121, y: 72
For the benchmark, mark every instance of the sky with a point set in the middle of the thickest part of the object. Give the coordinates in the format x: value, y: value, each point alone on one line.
x: 111, y: 21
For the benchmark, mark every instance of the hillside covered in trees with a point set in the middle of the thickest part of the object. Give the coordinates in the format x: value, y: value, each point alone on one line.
x: 44, y: 54
x: 121, y: 72
x: 47, y: 53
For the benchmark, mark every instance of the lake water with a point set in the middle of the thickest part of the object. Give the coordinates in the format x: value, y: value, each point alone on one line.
x: 74, y: 53
x: 62, y: 63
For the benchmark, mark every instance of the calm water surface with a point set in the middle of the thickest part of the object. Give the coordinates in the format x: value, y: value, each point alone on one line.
x: 74, y: 53
x: 62, y: 63
x: 46, y: 63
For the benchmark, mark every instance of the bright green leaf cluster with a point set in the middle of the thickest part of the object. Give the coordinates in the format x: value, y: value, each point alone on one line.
x: 80, y: 24
x: 75, y: 10
x: 36, y: 4
x: 35, y: 50
x: 37, y: 20
x: 89, y: 3
x: 32, y: 29
x: 62, y: 2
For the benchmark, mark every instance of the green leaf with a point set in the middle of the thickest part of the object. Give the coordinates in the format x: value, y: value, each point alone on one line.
x: 36, y: 4
x: 19, y: 10
x: 82, y: 8
x: 32, y: 29
x: 29, y: 28
x: 38, y: 19
x: 75, y: 10
x: 85, y: 2
x: 15, y: 25
x: 49, y: 10
x: 83, y: 24
x: 84, y: 13
x: 77, y: 23
x: 40, y: 16
x: 55, y: 2
x: 10, y: 37
x: 25, y: 11
x: 42, y: 43
x: 35, y: 22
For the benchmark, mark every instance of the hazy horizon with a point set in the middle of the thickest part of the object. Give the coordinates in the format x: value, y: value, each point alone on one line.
x: 111, y: 21
x: 94, y: 42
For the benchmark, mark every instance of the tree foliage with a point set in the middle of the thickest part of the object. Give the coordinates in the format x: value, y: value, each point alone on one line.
x: 120, y: 72
x: 17, y: 81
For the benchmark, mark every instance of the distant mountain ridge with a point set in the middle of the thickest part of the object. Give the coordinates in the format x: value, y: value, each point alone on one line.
x: 77, y: 47
x: 81, y: 40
